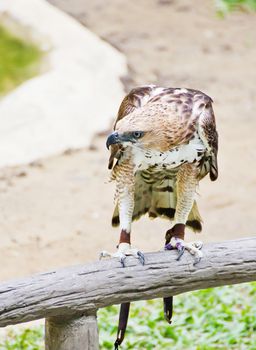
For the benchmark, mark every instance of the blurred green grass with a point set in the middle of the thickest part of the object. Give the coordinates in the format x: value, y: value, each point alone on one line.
x: 19, y: 60
x: 225, y: 6
x: 219, y: 318
x: 26, y: 339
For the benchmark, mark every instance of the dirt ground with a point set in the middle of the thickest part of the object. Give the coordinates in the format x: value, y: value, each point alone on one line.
x: 57, y: 211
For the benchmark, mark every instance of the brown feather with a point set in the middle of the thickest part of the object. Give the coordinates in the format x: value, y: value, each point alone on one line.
x: 169, y: 117
x: 153, y: 196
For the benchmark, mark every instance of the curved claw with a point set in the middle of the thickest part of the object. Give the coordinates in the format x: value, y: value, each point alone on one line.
x: 122, y: 260
x: 197, y: 260
x: 181, y: 250
x: 141, y: 257
x: 104, y: 254
x: 121, y: 257
x: 168, y: 246
x: 181, y: 246
x: 198, y: 244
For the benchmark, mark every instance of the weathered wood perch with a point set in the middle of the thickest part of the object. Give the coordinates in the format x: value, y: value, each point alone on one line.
x: 83, y: 289
x: 71, y: 334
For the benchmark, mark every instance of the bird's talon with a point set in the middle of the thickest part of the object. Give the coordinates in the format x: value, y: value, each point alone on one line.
x: 181, y: 246
x: 124, y: 250
x: 122, y: 260
x: 141, y: 257
x: 168, y: 246
x: 198, y: 245
x: 104, y: 254
x: 181, y: 251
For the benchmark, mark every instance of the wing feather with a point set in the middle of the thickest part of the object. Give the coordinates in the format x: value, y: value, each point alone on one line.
x: 208, y: 134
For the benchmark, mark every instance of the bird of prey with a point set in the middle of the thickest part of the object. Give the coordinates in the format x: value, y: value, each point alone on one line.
x: 164, y: 142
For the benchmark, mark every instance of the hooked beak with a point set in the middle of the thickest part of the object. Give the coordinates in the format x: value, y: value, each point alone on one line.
x: 113, y: 139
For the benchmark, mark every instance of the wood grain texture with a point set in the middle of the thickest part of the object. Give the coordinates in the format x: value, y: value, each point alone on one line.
x: 66, y: 334
x: 73, y: 291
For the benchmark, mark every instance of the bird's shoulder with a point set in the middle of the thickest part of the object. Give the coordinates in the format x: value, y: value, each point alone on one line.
x: 175, y: 103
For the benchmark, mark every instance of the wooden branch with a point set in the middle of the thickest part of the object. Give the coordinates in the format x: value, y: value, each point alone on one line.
x: 73, y: 291
x: 77, y: 333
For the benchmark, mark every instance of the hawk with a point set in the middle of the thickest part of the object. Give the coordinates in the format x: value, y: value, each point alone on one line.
x: 164, y: 142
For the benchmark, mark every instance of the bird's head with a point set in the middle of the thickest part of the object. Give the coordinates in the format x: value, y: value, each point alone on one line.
x: 136, y: 131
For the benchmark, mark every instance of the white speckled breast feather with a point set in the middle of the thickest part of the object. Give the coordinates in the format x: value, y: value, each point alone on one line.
x: 189, y: 153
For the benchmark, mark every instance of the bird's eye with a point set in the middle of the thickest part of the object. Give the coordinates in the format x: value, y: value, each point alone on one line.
x: 137, y: 134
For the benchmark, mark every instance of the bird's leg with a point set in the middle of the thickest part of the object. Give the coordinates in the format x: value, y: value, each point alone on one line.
x: 124, y: 248
x: 177, y: 231
x: 174, y: 238
x: 125, y: 196
x: 186, y: 189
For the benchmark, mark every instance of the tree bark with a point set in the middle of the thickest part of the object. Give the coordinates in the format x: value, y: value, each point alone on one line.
x: 73, y: 291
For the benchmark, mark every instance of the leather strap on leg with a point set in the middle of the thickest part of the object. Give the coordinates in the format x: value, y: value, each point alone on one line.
x: 168, y: 308
x: 177, y: 231
x: 123, y: 319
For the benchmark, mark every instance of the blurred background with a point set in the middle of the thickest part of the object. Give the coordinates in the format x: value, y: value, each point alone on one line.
x: 64, y: 67
x: 61, y: 85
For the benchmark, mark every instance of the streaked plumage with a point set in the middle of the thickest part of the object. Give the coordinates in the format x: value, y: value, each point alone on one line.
x: 178, y: 148
x: 164, y: 142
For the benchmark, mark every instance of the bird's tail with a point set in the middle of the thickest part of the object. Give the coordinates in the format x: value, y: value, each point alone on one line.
x: 158, y: 199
